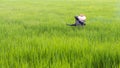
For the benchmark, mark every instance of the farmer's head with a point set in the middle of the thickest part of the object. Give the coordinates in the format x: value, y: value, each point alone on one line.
x: 82, y: 17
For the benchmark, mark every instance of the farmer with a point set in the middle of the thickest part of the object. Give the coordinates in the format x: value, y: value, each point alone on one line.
x: 79, y: 20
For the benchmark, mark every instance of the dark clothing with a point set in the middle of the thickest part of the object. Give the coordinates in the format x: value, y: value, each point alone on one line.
x: 71, y: 24
x: 76, y: 18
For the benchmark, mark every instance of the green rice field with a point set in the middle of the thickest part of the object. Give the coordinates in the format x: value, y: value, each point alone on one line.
x: 34, y: 34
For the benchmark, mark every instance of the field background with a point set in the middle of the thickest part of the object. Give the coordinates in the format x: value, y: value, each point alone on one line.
x: 33, y: 34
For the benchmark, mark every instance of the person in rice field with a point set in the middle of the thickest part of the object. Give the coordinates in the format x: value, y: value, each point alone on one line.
x: 79, y: 20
